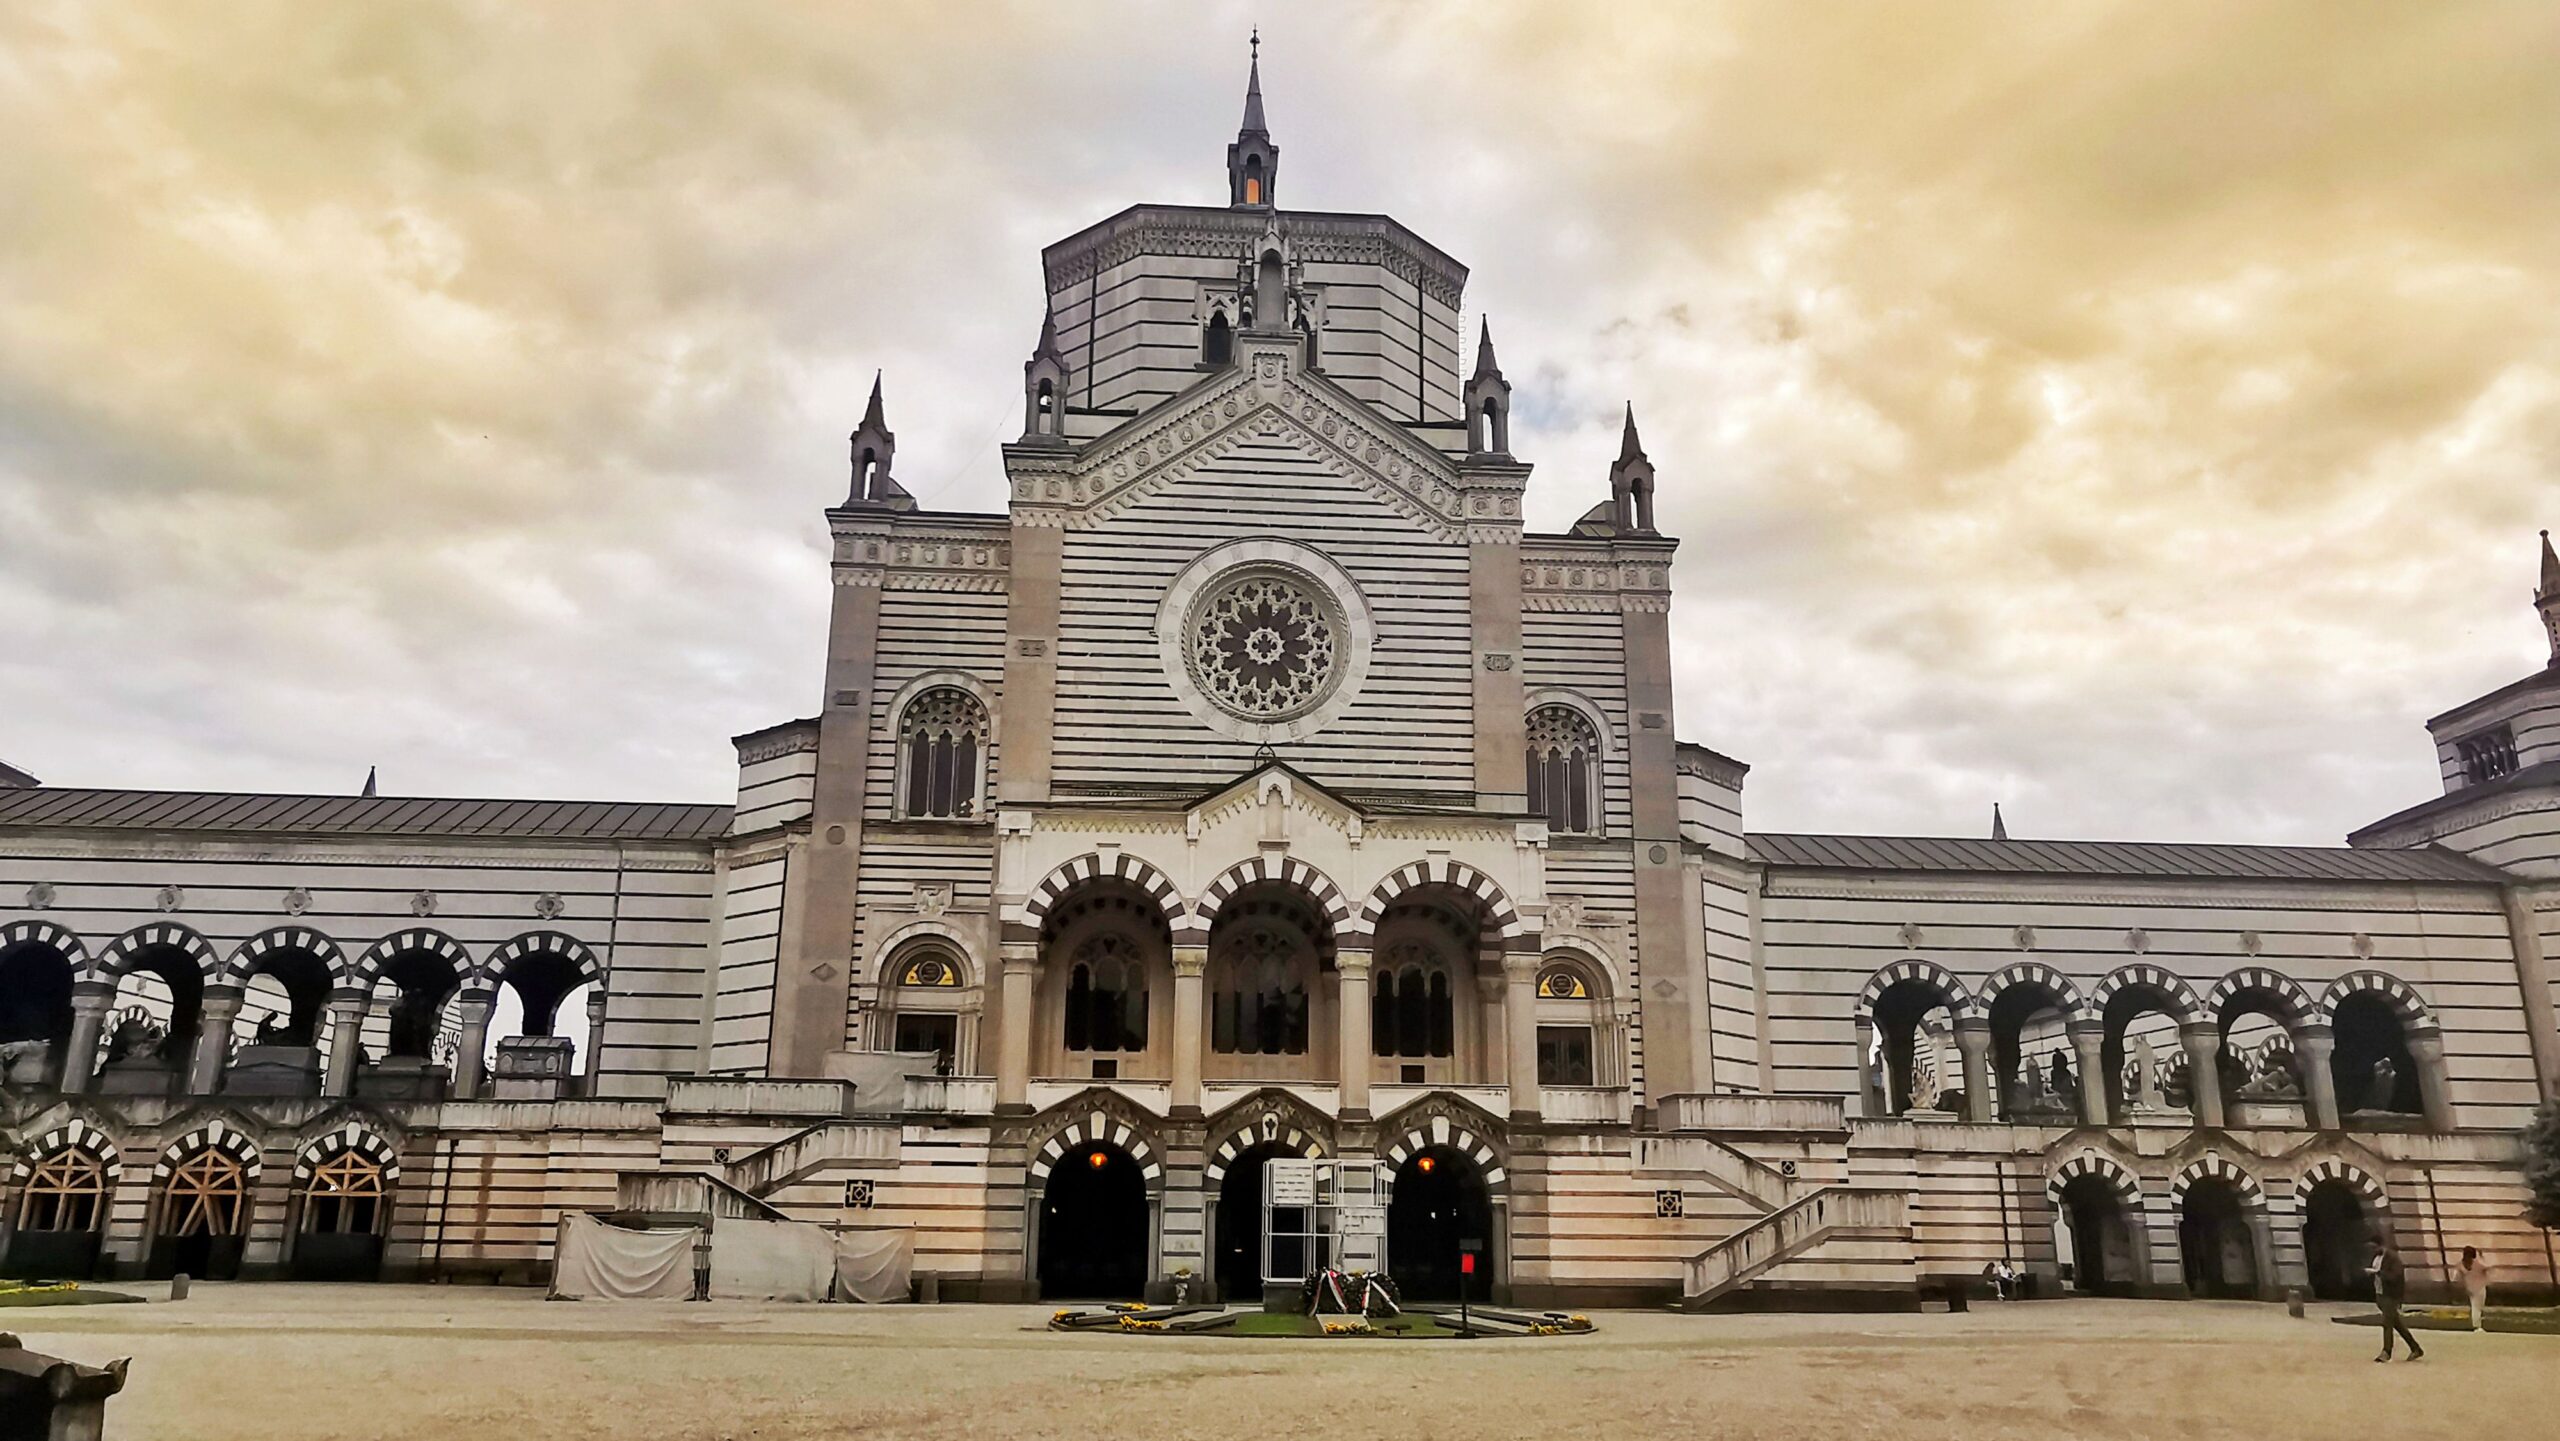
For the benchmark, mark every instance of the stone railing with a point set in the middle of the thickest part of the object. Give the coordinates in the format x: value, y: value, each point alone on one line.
x: 952, y: 1095
x: 687, y: 1193
x: 1793, y: 1229
x: 757, y: 1096
x: 761, y: 1173
x: 1709, y: 1112
x: 1584, y: 1105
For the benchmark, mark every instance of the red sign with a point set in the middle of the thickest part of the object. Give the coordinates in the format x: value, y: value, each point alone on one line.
x: 1467, y: 1264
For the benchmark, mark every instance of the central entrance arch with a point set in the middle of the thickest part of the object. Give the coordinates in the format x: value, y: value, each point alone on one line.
x: 2214, y: 1241
x: 2105, y: 1245
x: 1239, y: 1239
x: 2336, y: 1232
x: 1093, y: 1226
x: 1439, y: 1201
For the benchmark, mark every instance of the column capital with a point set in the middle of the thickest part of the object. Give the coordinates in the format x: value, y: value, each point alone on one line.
x: 2205, y: 1032
x: 1353, y: 960
x: 349, y: 996
x: 93, y: 996
x: 1521, y: 965
x: 2313, y: 1033
x: 225, y: 999
x: 1190, y: 962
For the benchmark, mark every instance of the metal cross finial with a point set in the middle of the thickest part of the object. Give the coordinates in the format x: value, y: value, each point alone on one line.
x: 1257, y: 43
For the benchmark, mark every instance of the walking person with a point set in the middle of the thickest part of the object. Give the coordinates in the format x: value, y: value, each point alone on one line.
x: 2390, y: 1288
x: 2475, y: 1283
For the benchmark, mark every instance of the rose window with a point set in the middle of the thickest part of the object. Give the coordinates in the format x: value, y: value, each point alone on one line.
x: 1265, y: 648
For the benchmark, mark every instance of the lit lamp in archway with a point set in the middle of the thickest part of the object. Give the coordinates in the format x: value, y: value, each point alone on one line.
x: 1098, y: 1160
x: 1426, y: 1164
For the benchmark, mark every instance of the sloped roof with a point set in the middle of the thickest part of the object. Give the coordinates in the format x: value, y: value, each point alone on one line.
x: 358, y: 815
x: 2117, y: 858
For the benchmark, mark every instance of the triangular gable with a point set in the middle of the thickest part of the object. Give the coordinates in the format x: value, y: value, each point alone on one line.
x: 1264, y: 395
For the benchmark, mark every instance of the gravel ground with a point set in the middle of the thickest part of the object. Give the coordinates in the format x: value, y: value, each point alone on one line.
x: 281, y: 1362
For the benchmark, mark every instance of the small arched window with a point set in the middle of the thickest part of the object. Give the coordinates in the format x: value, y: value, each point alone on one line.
x: 1048, y: 407
x: 1564, y: 770
x: 942, y: 745
x: 1107, y: 997
x: 1253, y: 180
x: 1218, y: 342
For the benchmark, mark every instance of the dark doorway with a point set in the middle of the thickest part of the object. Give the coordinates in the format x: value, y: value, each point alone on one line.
x: 1439, y: 1201
x: 1239, y: 1240
x: 2220, y: 1257
x: 1093, y: 1227
x: 2102, y: 1249
x: 2336, y: 1239
x: 927, y: 1031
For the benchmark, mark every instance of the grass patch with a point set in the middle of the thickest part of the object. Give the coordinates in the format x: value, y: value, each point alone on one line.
x: 52, y: 1296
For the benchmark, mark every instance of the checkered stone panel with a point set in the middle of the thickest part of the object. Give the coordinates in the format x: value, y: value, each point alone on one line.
x: 1093, y: 867
x: 1099, y: 1129
x: 71, y: 1135
x: 253, y: 952
x: 1669, y: 1205
x: 419, y: 938
x: 1441, y: 871
x: 2292, y: 1003
x: 48, y: 935
x: 2220, y: 1168
x: 349, y: 1137
x: 215, y: 1135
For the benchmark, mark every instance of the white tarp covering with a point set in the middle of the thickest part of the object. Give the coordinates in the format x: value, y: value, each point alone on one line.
x: 875, y: 1266
x: 593, y: 1261
x: 771, y: 1261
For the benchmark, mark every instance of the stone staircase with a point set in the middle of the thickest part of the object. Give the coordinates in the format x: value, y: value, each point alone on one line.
x: 1811, y: 1220
x: 831, y: 1143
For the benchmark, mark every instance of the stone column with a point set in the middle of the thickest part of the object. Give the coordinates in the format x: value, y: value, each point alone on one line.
x: 1493, y: 1051
x: 2427, y: 1049
x: 1190, y: 1011
x: 91, y: 1003
x: 1520, y: 1025
x: 346, y: 1030
x: 1013, y: 1048
x: 595, y: 1037
x: 470, y: 1064
x: 1973, y: 1040
x: 213, y: 1039
x: 2533, y: 982
x: 1351, y: 1004
x: 2312, y: 1045
x: 2204, y: 1078
x: 2089, y: 1046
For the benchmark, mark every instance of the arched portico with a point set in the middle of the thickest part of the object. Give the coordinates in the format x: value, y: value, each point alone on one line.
x: 2389, y: 1057
x: 2226, y: 1246
x: 1096, y: 1192
x: 2098, y: 1214
x: 1905, y: 1018
x: 40, y: 1013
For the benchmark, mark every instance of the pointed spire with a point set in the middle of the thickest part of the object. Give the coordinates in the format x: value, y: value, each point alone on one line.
x: 2547, y: 599
x: 1485, y: 365
x: 2550, y: 568
x: 1253, y: 91
x: 1048, y: 334
x: 1629, y: 448
x: 1999, y: 827
x: 369, y: 781
x: 871, y: 412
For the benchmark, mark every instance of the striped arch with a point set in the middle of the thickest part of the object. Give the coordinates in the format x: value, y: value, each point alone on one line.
x: 1285, y: 1131
x: 1101, y: 1129
x: 2367, y: 1189
x: 2034, y: 973
x: 1287, y: 870
x: 2294, y: 1004
x: 2124, y: 1183
x: 494, y: 971
x: 1442, y: 871
x: 349, y: 1137
x: 72, y: 1135
x: 2412, y: 1011
x: 1440, y: 1131
x: 400, y: 943
x: 46, y: 933
x: 1093, y: 866
x: 247, y: 956
x: 1937, y: 977
x: 124, y: 951
x: 2144, y: 977
x: 213, y: 1135
x: 2220, y: 1168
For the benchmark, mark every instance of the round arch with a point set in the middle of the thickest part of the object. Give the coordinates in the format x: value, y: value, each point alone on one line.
x: 1498, y: 910
x: 2175, y: 997
x: 340, y: 1205
x: 248, y: 957
x: 2404, y: 1002
x: 1445, y: 1187
x: 422, y: 940
x: 1093, y: 866
x: 2123, y: 1182
x: 127, y: 951
x: 1959, y: 1001
x: 72, y: 1135
x: 62, y: 1185
x: 2225, y: 1245
x: 49, y: 935
x: 926, y: 993
x: 2341, y: 1210
x: 2216, y: 1168
x: 1282, y: 870
x: 494, y: 972
x: 2362, y: 1182
x: 214, y: 1135
x: 2066, y: 996
x: 2098, y: 1210
x: 1441, y: 1133
x: 2282, y: 995
x: 1101, y: 1129
x: 348, y: 1138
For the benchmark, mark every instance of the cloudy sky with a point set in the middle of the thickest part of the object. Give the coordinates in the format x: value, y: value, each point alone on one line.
x: 2139, y: 414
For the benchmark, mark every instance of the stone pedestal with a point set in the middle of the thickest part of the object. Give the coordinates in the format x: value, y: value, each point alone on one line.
x: 2267, y: 1113
x: 532, y: 1068
x: 403, y: 1078
x: 138, y: 1078
x: 274, y: 1071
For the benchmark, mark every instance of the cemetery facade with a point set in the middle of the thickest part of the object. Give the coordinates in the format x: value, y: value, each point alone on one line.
x: 1258, y: 785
